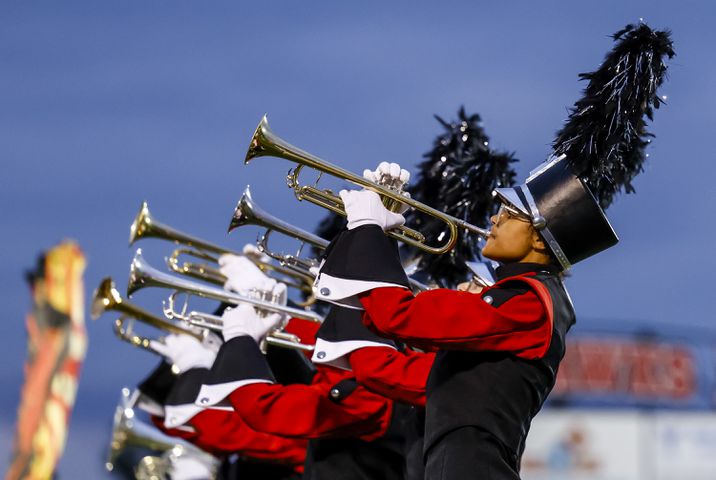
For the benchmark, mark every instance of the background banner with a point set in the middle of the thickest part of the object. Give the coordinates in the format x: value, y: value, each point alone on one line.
x: 57, y: 342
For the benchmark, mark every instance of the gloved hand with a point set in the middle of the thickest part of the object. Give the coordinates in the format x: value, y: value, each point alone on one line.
x: 189, y: 468
x: 389, y: 175
x: 253, y: 252
x: 365, y: 207
x: 244, y: 320
x: 243, y: 276
x: 279, y: 294
x: 186, y: 352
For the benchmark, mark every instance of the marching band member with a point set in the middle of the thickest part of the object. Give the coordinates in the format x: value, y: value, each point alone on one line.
x: 351, y: 364
x: 399, y: 374
x: 506, y: 334
x: 461, y: 160
x: 220, y: 430
x: 500, y: 347
x: 332, y: 406
x: 376, y: 363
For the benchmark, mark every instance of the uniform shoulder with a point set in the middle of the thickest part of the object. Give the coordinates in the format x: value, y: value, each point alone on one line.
x: 499, y: 294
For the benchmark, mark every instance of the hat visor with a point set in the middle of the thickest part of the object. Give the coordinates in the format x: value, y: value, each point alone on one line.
x: 509, y: 196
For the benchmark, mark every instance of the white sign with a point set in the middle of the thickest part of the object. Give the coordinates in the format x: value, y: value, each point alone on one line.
x: 684, y: 446
x: 583, y: 445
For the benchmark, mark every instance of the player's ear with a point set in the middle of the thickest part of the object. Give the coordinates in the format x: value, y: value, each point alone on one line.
x: 537, y: 242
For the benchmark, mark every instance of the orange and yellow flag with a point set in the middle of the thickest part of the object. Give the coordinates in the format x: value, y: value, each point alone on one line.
x: 57, y: 342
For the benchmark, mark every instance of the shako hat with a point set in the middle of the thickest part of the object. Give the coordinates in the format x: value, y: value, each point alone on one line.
x: 599, y: 150
x: 563, y: 210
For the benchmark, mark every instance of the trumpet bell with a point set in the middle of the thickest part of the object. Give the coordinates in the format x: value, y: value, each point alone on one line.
x: 138, y: 277
x: 128, y: 431
x: 105, y: 297
x: 247, y: 212
x: 262, y: 142
x: 244, y: 212
x: 142, y: 225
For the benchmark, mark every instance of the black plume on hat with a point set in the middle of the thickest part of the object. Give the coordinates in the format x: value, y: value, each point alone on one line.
x: 605, y: 135
x: 457, y: 177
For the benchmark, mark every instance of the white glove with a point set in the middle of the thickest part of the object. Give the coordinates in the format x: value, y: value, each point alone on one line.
x: 365, y: 207
x: 243, y: 276
x: 244, y: 320
x: 389, y: 175
x: 252, y: 251
x: 186, y: 352
x: 189, y: 468
x: 279, y: 294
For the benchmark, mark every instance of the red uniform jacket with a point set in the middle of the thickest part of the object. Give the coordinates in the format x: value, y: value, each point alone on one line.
x: 222, y: 432
x: 308, y: 411
x: 453, y: 320
x: 400, y: 376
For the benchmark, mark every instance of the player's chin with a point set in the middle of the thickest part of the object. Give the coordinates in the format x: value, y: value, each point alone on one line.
x: 490, y: 248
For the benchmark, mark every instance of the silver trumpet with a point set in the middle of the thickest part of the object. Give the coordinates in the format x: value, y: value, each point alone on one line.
x: 162, y: 467
x: 247, y: 212
x: 130, y: 432
x: 142, y: 275
x: 208, y: 321
x: 146, y: 226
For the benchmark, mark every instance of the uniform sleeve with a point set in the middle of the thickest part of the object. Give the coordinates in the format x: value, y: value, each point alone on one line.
x: 449, y: 319
x: 222, y: 432
x: 400, y: 376
x: 309, y: 411
x: 228, y: 433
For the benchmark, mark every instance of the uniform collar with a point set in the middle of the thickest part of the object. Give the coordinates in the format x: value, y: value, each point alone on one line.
x: 520, y: 268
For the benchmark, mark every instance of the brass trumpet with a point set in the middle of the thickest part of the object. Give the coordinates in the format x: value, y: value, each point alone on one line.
x: 265, y: 143
x: 143, y: 275
x: 247, y: 212
x: 106, y: 297
x: 146, y: 226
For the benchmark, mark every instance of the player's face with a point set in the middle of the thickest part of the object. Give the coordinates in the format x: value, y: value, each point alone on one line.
x: 512, y: 237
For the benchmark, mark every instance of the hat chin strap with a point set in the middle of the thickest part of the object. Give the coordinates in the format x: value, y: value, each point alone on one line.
x: 540, y: 224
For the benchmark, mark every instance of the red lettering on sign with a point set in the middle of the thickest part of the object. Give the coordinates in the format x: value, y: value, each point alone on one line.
x: 641, y: 369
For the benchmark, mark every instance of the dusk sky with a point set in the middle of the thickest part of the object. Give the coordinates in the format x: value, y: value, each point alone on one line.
x: 103, y: 105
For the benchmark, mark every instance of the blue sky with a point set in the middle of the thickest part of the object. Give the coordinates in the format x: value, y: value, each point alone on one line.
x: 104, y: 105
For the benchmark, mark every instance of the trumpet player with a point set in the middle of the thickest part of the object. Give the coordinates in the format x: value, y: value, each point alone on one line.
x: 360, y: 380
x: 219, y: 431
x: 387, y: 368
x: 500, y: 347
